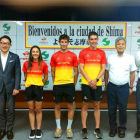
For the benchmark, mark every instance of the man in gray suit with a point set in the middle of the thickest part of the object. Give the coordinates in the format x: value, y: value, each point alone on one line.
x: 10, y: 76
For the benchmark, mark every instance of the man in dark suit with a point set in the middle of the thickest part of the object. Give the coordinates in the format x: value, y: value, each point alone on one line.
x: 10, y: 76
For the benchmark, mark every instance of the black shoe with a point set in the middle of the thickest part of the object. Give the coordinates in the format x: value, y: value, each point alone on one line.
x: 38, y: 134
x: 10, y: 134
x: 2, y: 133
x: 84, y: 133
x: 98, y: 133
x: 32, y: 134
x: 112, y: 133
x: 121, y: 134
x: 137, y: 134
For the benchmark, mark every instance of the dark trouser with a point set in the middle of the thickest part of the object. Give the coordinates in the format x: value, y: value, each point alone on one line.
x: 4, y: 96
x: 117, y: 95
x: 138, y: 103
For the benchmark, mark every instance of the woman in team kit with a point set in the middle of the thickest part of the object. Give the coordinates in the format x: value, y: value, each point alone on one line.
x: 35, y: 69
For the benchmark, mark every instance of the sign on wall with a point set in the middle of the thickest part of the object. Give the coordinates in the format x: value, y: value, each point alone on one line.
x: 46, y: 34
x: 7, y: 28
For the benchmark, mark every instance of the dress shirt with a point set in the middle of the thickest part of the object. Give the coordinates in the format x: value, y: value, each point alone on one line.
x: 119, y: 68
x: 137, y: 61
x: 4, y: 60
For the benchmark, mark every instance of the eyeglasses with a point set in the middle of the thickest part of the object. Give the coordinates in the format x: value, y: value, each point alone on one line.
x: 5, y: 43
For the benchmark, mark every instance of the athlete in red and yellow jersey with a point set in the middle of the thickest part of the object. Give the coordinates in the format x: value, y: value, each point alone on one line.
x: 63, y: 63
x: 36, y: 74
x: 92, y: 66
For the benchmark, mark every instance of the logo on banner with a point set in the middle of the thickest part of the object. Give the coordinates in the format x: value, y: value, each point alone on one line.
x: 46, y: 84
x: 103, y: 80
x: 26, y: 55
x: 138, y: 32
x: 6, y: 28
x: 80, y: 81
x: 43, y: 40
x: 23, y: 85
x: 106, y: 42
x: 45, y: 55
x: 138, y: 42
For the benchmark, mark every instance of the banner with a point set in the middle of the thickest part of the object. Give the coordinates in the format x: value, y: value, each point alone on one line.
x: 46, y: 34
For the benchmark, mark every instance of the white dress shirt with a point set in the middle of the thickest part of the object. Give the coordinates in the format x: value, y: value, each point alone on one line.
x: 137, y: 61
x: 119, y: 68
x: 4, y: 60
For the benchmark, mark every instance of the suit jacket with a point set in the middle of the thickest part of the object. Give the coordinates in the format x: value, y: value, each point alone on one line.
x: 11, y: 76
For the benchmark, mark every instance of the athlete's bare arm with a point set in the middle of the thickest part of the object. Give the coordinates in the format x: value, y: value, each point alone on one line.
x: 53, y: 73
x: 82, y: 71
x: 75, y: 75
x: 25, y: 75
x: 45, y: 78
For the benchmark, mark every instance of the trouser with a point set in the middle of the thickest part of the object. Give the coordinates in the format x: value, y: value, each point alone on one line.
x: 138, y: 103
x: 10, y: 99
x: 117, y: 96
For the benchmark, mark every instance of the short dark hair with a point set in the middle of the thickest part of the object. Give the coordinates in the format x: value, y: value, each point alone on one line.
x: 64, y: 36
x: 92, y: 33
x: 7, y: 37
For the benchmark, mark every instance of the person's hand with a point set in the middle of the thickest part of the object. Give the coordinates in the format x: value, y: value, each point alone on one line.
x: 94, y: 87
x: 89, y: 82
x: 130, y: 91
x: 92, y: 84
x: 105, y: 89
x: 15, y: 92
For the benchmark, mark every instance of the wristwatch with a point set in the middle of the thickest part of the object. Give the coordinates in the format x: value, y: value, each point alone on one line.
x: 131, y: 87
x: 97, y: 79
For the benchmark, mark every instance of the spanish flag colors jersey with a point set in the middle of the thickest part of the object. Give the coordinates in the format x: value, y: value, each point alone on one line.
x: 92, y: 60
x: 34, y: 75
x: 64, y: 63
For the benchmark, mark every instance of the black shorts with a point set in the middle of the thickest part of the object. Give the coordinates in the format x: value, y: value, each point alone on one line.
x: 65, y: 90
x: 34, y: 93
x: 89, y: 94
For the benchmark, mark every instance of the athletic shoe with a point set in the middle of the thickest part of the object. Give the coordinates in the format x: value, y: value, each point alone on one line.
x: 57, y: 133
x: 137, y: 134
x: 84, y: 133
x: 32, y: 134
x: 98, y: 133
x: 38, y: 134
x: 69, y: 133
